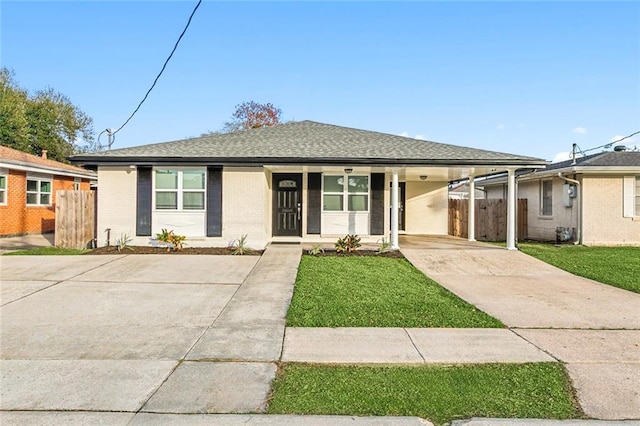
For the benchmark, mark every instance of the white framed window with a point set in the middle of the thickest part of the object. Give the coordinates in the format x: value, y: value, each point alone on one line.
x: 179, y: 189
x: 76, y: 184
x: 546, y: 197
x: 631, y: 196
x: 3, y: 189
x: 345, y: 193
x: 39, y: 191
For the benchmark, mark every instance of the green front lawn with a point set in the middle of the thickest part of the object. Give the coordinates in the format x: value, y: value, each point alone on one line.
x: 438, y: 393
x: 617, y: 266
x: 46, y: 251
x: 374, y: 291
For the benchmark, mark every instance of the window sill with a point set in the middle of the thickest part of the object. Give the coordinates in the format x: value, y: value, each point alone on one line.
x: 545, y: 217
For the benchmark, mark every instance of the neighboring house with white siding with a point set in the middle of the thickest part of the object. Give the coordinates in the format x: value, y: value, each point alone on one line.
x: 295, y: 182
x: 597, y: 199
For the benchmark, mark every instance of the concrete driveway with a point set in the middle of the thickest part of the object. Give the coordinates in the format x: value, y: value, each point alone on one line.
x: 161, y: 333
x: 593, y: 328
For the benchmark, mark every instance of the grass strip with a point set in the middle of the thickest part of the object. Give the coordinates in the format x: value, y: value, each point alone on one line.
x: 46, y: 251
x: 337, y: 291
x: 616, y: 266
x: 437, y: 393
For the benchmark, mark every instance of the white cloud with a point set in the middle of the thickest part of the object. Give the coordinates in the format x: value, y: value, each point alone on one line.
x: 421, y: 137
x: 404, y: 134
x: 407, y: 135
x: 561, y: 156
x: 500, y: 126
x: 580, y: 130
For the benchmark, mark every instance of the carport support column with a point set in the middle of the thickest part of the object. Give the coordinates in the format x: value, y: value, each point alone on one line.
x: 511, y: 209
x: 394, y: 210
x: 471, y: 219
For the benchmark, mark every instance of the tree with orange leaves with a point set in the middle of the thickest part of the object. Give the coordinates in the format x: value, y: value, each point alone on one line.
x: 252, y: 115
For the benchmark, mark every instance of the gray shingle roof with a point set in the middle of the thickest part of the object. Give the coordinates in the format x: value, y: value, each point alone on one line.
x: 603, y: 159
x: 304, y: 142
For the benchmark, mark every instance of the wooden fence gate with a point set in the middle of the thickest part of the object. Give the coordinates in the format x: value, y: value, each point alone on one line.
x: 75, y: 219
x: 491, y: 219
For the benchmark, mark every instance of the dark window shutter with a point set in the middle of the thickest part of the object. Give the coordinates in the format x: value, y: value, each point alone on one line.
x: 314, y: 202
x: 376, y: 218
x: 143, y: 200
x: 214, y: 202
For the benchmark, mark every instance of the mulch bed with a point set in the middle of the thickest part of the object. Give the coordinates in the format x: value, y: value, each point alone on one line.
x: 395, y: 254
x: 163, y: 250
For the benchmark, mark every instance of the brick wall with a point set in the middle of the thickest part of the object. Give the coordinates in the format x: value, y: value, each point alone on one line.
x: 16, y: 218
x: 604, y: 223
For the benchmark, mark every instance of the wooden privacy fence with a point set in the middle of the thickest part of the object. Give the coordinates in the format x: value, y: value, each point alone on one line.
x: 75, y: 219
x: 491, y: 219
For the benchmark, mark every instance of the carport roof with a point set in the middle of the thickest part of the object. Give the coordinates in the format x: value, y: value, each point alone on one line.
x: 305, y: 142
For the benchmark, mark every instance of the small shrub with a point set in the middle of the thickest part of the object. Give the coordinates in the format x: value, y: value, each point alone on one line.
x: 385, y: 246
x: 123, y: 242
x: 239, y: 246
x: 168, y: 237
x: 315, y: 250
x: 347, y: 244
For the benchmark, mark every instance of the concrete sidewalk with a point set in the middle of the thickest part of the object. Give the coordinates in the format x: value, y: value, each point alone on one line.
x: 25, y: 242
x: 564, y: 315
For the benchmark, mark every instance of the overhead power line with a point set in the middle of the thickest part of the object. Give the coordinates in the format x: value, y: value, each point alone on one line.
x: 112, y: 134
x: 610, y: 144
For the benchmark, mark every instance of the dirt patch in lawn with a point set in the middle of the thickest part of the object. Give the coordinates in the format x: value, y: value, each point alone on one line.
x: 395, y: 254
x: 163, y: 250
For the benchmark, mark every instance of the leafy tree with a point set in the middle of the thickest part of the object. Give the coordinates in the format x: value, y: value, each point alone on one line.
x: 252, y: 115
x: 45, y: 120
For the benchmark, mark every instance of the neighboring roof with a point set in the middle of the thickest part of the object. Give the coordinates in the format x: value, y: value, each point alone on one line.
x: 11, y: 158
x: 304, y: 142
x: 603, y: 162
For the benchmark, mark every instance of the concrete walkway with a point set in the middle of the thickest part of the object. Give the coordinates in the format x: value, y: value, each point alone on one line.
x: 25, y: 242
x: 593, y: 328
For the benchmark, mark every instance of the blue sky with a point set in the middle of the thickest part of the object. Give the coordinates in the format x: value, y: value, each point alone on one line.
x: 528, y: 78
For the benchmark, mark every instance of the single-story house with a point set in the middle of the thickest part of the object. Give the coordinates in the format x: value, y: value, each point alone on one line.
x: 296, y: 182
x: 594, y: 200
x: 28, y: 186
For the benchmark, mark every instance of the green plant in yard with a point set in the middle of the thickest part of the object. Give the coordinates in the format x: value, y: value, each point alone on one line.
x: 239, y: 246
x: 123, y: 242
x: 315, y: 250
x: 173, y: 240
x: 347, y: 244
x: 385, y: 246
x: 375, y: 291
x: 439, y: 393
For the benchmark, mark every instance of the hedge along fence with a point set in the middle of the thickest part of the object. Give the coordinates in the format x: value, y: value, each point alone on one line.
x: 491, y: 219
x: 75, y: 219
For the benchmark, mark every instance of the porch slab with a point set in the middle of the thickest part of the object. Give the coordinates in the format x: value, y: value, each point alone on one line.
x: 349, y: 345
x: 175, y: 269
x: 54, y: 418
x: 144, y: 419
x: 11, y: 291
x: 239, y: 344
x: 607, y: 390
x: 85, y: 385
x: 214, y: 387
x: 50, y: 268
x: 587, y: 346
x: 442, y: 345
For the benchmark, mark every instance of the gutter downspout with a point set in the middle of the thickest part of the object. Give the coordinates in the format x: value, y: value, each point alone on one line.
x: 579, y: 202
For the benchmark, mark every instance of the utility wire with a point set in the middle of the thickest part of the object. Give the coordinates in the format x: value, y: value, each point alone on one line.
x: 162, y: 70
x: 608, y: 145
